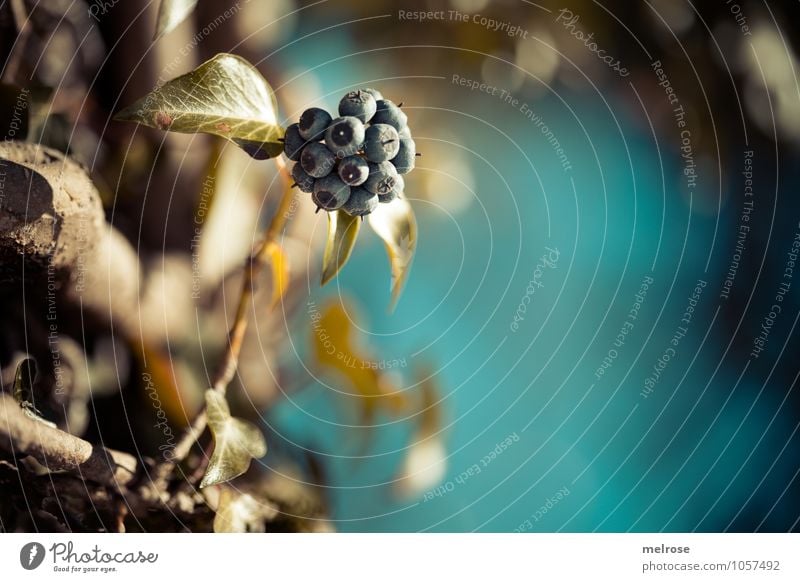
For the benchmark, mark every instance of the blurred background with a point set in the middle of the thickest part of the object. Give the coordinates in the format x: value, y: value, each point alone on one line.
x: 607, y: 205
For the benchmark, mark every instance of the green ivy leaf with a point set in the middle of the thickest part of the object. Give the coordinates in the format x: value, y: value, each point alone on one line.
x: 236, y: 442
x: 225, y: 96
x: 396, y: 225
x: 342, y: 235
x: 171, y: 13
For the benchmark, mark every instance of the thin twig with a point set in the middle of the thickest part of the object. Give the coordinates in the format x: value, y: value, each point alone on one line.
x: 230, y: 359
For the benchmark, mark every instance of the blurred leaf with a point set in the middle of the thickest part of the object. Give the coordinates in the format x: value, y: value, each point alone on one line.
x: 225, y: 96
x: 279, y: 265
x: 171, y: 13
x: 240, y: 512
x: 342, y: 235
x: 236, y: 442
x: 335, y: 349
x: 396, y: 225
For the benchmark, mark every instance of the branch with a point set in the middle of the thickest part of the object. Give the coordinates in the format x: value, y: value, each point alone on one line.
x: 230, y: 359
x: 61, y: 451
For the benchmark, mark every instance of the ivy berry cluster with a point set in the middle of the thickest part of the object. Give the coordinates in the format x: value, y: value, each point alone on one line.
x: 356, y: 161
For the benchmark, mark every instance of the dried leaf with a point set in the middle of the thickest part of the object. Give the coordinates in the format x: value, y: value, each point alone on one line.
x: 236, y: 442
x: 225, y: 96
x: 342, y: 235
x: 279, y: 265
x: 396, y: 225
x: 367, y: 376
x: 171, y: 13
x: 240, y: 512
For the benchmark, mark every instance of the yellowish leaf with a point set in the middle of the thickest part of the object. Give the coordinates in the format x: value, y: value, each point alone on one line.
x: 236, y: 442
x: 335, y: 348
x: 279, y: 265
x: 342, y: 234
x: 396, y: 225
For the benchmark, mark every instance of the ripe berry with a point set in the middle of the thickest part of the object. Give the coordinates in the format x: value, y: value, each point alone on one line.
x: 405, y: 160
x: 358, y: 104
x: 399, y: 186
x: 361, y: 202
x: 388, y: 112
x: 382, y: 178
x: 345, y: 136
x: 381, y: 142
x: 302, y: 179
x: 374, y: 92
x: 330, y: 192
x: 313, y: 123
x: 317, y: 160
x: 293, y: 142
x: 405, y: 132
x: 353, y: 170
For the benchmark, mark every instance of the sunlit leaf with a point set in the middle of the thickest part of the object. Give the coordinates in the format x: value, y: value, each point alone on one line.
x: 240, y: 512
x: 171, y: 13
x: 396, y: 225
x: 236, y: 442
x: 22, y: 391
x: 225, y: 96
x: 336, y: 349
x: 342, y: 234
x: 279, y: 265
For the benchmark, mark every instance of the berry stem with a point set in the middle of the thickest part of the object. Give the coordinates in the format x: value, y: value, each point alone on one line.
x: 230, y: 358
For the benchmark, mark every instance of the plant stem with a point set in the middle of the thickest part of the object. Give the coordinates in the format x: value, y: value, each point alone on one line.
x: 230, y: 359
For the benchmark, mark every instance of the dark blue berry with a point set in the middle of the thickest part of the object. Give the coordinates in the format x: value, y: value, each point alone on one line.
x: 361, y: 202
x: 345, y: 136
x: 293, y: 142
x: 330, y: 192
x: 382, y: 178
x: 405, y: 160
x: 302, y: 179
x: 388, y: 112
x: 399, y: 186
x: 381, y: 142
x: 358, y: 104
x: 317, y: 160
x: 374, y: 92
x: 353, y: 170
x: 405, y: 132
x: 313, y: 123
